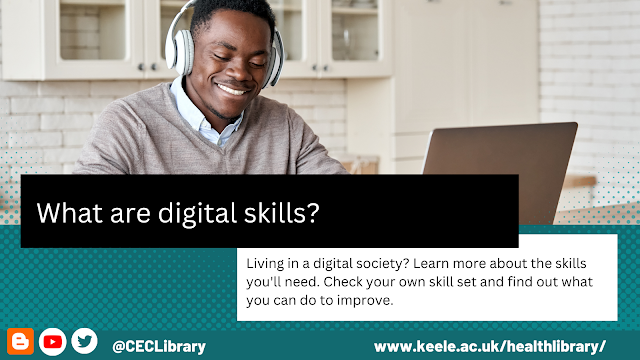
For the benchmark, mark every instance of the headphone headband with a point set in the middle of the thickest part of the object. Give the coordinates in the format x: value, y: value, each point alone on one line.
x: 279, y: 62
x: 173, y: 56
x: 191, y: 3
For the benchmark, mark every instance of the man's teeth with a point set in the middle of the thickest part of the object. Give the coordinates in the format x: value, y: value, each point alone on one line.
x: 231, y: 91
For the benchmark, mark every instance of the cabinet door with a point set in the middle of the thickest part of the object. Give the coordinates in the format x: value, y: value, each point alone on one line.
x: 355, y: 38
x: 432, y: 73
x: 159, y: 15
x: 93, y: 39
x: 296, y: 22
x: 504, y: 63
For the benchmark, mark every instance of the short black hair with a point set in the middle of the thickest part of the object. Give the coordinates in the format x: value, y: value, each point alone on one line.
x: 205, y: 9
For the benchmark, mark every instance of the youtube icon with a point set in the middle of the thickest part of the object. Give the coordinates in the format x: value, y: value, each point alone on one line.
x: 52, y: 342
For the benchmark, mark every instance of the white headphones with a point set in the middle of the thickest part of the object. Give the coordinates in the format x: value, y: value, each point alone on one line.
x: 179, y: 51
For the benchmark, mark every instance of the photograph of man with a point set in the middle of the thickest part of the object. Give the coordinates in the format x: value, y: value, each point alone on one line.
x: 211, y: 119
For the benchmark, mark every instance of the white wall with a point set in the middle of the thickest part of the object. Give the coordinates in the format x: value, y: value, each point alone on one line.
x: 590, y: 74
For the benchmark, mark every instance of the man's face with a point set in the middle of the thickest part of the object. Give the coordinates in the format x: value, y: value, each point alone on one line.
x: 230, y: 63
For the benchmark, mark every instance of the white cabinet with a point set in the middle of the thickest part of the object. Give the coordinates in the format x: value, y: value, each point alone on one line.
x: 124, y: 39
x: 87, y: 39
x: 297, y: 21
x: 324, y: 39
x: 505, y: 86
x: 72, y: 39
x: 432, y: 73
x: 458, y: 63
x: 355, y: 41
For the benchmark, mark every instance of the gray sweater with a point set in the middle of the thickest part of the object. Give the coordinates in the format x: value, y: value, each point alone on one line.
x: 145, y: 134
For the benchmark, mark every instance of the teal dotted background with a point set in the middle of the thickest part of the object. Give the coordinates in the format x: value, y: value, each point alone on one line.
x: 195, y: 289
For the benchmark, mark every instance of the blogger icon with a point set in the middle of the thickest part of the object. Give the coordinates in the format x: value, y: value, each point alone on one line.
x: 19, y: 341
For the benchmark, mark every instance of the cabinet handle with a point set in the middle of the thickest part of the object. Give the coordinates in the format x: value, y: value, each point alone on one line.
x: 505, y: 2
x: 315, y: 67
x: 154, y: 66
x: 141, y: 67
x: 326, y: 68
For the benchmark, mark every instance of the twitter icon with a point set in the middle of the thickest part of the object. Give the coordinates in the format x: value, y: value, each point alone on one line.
x: 84, y: 341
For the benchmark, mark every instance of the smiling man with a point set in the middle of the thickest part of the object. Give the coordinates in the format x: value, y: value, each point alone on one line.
x: 213, y: 120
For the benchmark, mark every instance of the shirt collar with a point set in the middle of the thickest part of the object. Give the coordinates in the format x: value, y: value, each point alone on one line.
x: 189, y: 111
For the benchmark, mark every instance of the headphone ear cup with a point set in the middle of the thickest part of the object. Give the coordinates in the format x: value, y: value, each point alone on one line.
x: 270, y: 69
x: 185, y: 49
x: 191, y: 47
x: 276, y: 63
x: 170, y: 52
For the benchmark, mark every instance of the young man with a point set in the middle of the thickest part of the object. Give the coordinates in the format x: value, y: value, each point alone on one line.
x: 211, y: 121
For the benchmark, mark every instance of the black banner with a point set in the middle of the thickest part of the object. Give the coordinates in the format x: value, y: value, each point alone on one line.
x: 195, y: 211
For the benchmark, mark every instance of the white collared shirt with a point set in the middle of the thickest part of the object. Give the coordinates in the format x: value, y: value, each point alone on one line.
x: 197, y: 120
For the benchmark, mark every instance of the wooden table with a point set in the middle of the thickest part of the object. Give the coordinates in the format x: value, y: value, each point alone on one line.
x: 575, y: 181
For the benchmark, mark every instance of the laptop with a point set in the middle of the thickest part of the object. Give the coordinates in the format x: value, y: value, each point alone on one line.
x: 538, y: 153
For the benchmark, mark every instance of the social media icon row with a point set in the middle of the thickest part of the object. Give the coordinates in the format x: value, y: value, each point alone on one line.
x: 52, y: 341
